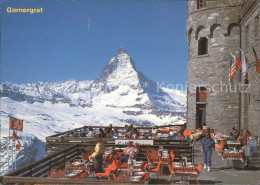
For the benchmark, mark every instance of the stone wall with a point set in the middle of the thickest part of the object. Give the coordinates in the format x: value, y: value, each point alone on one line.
x: 250, y: 111
x: 219, y: 23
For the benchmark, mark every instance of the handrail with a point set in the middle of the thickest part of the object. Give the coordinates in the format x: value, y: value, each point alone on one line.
x: 35, y: 180
x: 41, y: 161
x: 161, y: 126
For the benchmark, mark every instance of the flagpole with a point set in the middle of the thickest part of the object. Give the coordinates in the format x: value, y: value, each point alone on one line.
x: 8, y: 149
x: 15, y: 154
x: 0, y: 149
x: 12, y: 156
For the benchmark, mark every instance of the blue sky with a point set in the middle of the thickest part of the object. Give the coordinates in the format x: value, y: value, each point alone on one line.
x: 57, y: 44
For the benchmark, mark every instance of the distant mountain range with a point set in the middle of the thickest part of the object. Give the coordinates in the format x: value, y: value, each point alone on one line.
x: 119, y: 95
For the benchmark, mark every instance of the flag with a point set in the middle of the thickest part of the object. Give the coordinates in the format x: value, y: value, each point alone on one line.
x: 18, y: 145
x: 15, y: 124
x: 234, y: 65
x: 15, y: 137
x: 257, y: 68
x: 245, y: 64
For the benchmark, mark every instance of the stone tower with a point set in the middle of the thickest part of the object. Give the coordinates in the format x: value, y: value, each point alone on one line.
x: 213, y: 30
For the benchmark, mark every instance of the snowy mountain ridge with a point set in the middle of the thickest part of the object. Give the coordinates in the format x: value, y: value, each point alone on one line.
x: 120, y: 95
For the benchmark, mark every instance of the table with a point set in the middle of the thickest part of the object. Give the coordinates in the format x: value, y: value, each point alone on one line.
x: 233, y: 156
x: 78, y: 166
x: 73, y: 174
x: 123, y: 175
x: 183, y: 171
x: 233, y: 144
x: 137, y: 165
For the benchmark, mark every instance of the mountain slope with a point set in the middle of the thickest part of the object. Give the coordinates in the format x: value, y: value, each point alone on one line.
x: 121, y: 94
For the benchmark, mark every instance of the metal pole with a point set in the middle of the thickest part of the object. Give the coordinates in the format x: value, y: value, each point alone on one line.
x: 15, y: 151
x: 0, y: 149
x: 8, y: 149
x: 12, y: 156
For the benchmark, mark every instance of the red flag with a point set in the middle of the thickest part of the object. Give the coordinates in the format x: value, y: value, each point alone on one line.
x: 15, y: 137
x: 257, y: 68
x: 18, y: 145
x: 15, y: 124
x: 235, y: 65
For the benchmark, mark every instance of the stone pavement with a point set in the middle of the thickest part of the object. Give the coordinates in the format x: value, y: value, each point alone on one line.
x: 221, y: 172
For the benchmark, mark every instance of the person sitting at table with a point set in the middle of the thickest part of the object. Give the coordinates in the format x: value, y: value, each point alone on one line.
x: 149, y: 134
x: 101, y: 133
x: 79, y: 133
x: 174, y: 134
x: 155, y: 130
x: 109, y: 131
x: 126, y: 129
x: 115, y: 133
x: 135, y: 133
x: 84, y: 131
x: 183, y: 127
x: 135, y: 151
x: 75, y: 132
x: 71, y: 134
x: 97, y: 157
x: 207, y: 145
x: 245, y: 138
x: 90, y: 132
x: 181, y: 136
x: 126, y: 152
x: 67, y: 134
x: 197, y: 135
x: 234, y: 134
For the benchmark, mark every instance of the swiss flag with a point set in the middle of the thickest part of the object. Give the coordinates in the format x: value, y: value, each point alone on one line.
x: 18, y: 145
x: 15, y: 124
x: 15, y: 137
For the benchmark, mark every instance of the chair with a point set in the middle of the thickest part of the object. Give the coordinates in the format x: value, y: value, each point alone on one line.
x: 144, y: 166
x: 148, y: 156
x: 60, y: 173
x: 106, y: 173
x: 156, y: 170
x: 196, y: 175
x: 187, y: 133
x: 220, y: 145
x: 144, y: 177
x: 170, y: 170
x: 199, y: 166
x: 82, y: 175
x: 48, y: 173
x: 172, y: 156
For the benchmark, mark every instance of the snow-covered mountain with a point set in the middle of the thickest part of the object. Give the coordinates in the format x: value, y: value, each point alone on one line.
x: 119, y: 95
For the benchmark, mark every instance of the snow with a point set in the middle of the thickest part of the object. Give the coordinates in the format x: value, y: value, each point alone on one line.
x: 118, y: 96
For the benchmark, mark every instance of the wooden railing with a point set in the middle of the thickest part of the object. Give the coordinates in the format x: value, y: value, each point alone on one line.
x: 33, y: 180
x: 97, y: 127
x: 58, y: 159
x: 36, y: 173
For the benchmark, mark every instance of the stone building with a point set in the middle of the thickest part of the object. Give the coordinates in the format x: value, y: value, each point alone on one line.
x: 214, y: 29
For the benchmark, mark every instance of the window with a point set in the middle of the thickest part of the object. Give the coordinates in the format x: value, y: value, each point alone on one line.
x: 201, y: 3
x: 201, y: 94
x: 203, y: 46
x: 201, y: 99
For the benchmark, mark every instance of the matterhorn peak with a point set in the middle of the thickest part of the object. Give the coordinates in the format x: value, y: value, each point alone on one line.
x: 121, y: 50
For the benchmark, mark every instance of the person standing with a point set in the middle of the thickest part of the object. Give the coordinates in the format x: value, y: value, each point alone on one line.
x: 207, y: 145
x: 97, y: 157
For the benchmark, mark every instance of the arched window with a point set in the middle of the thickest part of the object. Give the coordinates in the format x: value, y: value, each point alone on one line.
x: 201, y: 3
x: 203, y: 46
